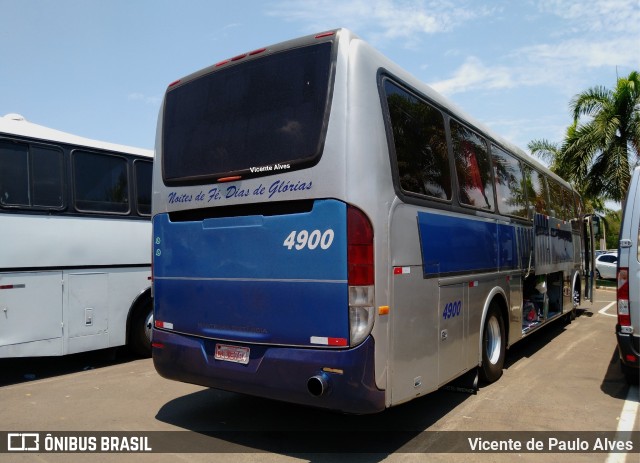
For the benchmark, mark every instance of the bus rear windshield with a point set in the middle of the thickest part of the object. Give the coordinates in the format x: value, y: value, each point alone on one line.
x: 248, y: 119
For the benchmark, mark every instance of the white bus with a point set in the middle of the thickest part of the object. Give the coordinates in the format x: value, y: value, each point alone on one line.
x: 74, y: 242
x: 330, y: 231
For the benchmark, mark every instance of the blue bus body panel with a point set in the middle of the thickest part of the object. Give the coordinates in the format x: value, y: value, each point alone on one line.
x: 455, y: 245
x: 239, y: 279
x: 276, y: 372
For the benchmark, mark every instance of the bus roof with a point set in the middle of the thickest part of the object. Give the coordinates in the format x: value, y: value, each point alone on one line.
x: 15, y: 124
x: 347, y: 35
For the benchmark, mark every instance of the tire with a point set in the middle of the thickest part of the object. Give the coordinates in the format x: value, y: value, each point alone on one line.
x: 140, y: 329
x: 577, y: 299
x: 493, y: 346
x: 576, y: 303
x: 598, y: 276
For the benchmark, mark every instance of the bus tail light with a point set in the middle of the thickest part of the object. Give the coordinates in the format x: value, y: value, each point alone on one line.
x: 325, y: 34
x: 359, y: 248
x: 361, y: 313
x: 360, y: 270
x: 624, y: 319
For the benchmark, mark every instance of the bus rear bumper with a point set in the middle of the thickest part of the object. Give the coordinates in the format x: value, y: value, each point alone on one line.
x: 628, y: 349
x: 341, y: 380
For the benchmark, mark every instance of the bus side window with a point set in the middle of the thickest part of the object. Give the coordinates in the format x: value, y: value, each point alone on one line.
x: 512, y: 198
x: 143, y: 171
x: 100, y: 183
x: 420, y: 144
x: 473, y: 167
x: 14, y: 174
x: 555, y: 197
x: 569, y: 204
x: 579, y: 206
x: 47, y: 174
x: 537, y: 192
x: 30, y: 175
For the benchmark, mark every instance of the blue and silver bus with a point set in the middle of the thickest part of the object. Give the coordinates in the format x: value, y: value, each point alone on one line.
x: 330, y: 231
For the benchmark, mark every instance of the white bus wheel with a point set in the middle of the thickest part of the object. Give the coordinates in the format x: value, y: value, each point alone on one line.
x: 140, y: 329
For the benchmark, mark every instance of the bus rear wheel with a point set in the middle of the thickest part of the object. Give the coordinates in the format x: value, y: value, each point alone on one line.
x: 140, y: 329
x: 493, y: 345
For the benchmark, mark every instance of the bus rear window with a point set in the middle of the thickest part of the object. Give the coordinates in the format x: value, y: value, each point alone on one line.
x: 248, y: 118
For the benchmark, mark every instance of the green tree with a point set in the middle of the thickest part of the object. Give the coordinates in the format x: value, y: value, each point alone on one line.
x: 553, y: 154
x: 612, y: 221
x: 603, y: 145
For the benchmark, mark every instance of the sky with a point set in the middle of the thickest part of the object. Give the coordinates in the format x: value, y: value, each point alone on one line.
x: 99, y: 68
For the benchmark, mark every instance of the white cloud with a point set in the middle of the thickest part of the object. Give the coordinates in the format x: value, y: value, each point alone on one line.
x: 593, y: 34
x: 583, y: 52
x: 596, y: 36
x: 595, y: 16
x: 151, y: 100
x: 472, y: 75
x: 231, y: 26
x: 407, y: 20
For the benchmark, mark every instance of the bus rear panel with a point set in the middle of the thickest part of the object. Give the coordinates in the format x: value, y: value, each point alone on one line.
x: 261, y: 304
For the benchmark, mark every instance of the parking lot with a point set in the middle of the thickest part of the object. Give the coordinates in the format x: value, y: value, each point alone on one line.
x: 563, y: 381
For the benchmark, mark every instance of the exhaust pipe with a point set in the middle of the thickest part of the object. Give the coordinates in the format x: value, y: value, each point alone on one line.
x: 318, y: 385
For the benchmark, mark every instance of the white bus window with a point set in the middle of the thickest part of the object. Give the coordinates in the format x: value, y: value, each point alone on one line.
x: 473, y: 167
x: 569, y: 204
x: 46, y: 173
x: 578, y: 203
x: 537, y: 192
x: 143, y: 171
x: 512, y: 199
x: 30, y: 175
x: 100, y: 183
x: 555, y: 199
x: 14, y: 174
x: 420, y: 144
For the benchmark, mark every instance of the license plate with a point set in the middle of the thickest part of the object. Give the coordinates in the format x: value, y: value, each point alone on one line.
x: 234, y: 354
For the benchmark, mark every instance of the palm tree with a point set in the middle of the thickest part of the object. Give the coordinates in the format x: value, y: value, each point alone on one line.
x: 553, y: 154
x: 603, y: 150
